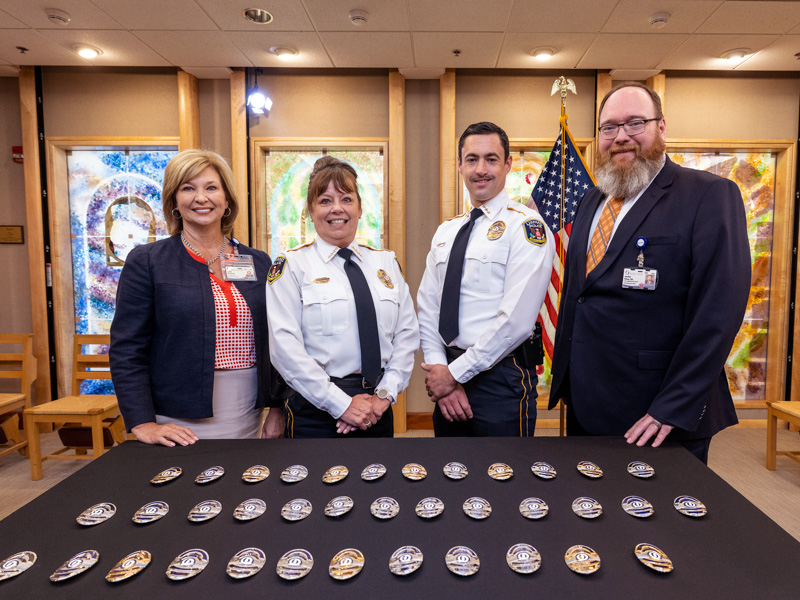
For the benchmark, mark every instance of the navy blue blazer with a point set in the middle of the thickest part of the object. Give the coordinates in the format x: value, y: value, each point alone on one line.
x: 163, y: 336
x: 621, y: 353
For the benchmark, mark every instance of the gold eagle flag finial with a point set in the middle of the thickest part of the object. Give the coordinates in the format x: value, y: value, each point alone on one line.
x: 563, y: 85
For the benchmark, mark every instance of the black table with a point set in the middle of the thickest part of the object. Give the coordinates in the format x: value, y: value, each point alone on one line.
x: 735, y: 551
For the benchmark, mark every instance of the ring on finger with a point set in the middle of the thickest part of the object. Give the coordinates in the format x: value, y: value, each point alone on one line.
x: 657, y: 424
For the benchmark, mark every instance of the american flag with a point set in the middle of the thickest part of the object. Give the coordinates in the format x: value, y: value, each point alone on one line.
x: 558, y: 210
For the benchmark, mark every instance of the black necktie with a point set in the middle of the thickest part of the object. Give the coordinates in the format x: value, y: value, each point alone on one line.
x: 451, y: 290
x: 367, y: 320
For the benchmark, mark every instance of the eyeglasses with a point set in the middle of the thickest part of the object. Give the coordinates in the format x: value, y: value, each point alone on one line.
x: 635, y: 127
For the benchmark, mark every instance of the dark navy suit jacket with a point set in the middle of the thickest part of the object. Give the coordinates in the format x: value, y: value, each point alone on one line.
x: 621, y: 353
x: 163, y: 336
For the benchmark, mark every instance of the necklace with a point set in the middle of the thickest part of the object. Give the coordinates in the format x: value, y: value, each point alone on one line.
x: 208, y: 262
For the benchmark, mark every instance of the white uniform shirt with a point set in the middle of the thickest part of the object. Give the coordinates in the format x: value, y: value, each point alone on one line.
x: 313, y: 328
x: 502, y: 289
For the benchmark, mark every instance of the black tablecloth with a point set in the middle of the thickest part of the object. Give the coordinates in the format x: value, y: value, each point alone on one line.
x: 735, y: 551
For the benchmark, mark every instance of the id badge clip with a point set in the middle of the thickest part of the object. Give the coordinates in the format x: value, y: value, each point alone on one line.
x: 640, y: 278
x: 238, y: 267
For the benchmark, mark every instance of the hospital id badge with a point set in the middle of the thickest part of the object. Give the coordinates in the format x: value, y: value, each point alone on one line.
x: 238, y: 267
x: 640, y: 279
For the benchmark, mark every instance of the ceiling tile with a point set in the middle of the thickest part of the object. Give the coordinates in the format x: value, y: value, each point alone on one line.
x: 120, y: 48
x: 459, y: 15
x: 752, y: 17
x: 778, y: 56
x: 703, y: 51
x: 570, y: 48
x: 575, y: 16
x: 368, y: 49
x: 629, y: 51
x: 633, y: 16
x: 478, y: 50
x: 288, y: 15
x: 178, y: 15
x: 9, y: 22
x: 204, y: 48
x: 84, y: 15
x: 41, y: 51
x: 333, y: 15
x: 255, y: 46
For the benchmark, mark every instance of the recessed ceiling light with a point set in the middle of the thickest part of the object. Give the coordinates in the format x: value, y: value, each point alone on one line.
x: 284, y: 52
x: 258, y: 15
x: 85, y: 51
x: 543, y: 53
x: 735, y: 54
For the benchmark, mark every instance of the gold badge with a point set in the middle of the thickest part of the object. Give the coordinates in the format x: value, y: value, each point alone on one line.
x: 385, y: 279
x: 321, y: 280
x: 496, y: 230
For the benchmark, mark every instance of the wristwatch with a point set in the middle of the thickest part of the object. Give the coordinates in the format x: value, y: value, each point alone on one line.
x: 384, y: 394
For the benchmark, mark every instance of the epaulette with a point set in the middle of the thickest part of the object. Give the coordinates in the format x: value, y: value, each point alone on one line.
x: 515, y: 209
x: 301, y: 246
x: 371, y: 248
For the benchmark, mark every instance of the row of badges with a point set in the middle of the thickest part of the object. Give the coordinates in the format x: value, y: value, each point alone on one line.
x: 384, y: 508
x: 413, y: 471
x: 296, y: 564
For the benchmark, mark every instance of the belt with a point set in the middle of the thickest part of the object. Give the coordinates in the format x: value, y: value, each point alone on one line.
x: 354, y: 380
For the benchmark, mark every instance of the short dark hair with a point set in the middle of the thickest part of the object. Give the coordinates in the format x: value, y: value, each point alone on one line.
x: 484, y: 128
x: 635, y: 84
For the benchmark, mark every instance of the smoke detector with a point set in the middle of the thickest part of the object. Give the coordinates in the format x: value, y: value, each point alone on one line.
x: 57, y: 17
x: 359, y: 17
x: 659, y: 20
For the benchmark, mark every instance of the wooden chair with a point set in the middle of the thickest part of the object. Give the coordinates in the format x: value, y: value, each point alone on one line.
x: 97, y: 412
x: 22, y: 366
x: 786, y: 411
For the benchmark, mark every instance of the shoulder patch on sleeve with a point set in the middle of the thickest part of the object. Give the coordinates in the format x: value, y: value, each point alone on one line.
x: 535, y: 232
x: 276, y: 270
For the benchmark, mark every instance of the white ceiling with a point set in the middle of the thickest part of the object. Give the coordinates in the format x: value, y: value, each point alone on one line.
x: 206, y: 37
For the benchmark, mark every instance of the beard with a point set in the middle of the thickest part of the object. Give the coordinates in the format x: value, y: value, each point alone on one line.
x: 627, y: 179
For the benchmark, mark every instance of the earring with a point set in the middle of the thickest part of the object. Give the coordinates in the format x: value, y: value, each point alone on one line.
x: 227, y: 211
x: 178, y: 216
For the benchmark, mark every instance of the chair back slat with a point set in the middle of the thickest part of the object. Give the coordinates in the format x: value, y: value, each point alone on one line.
x: 88, y: 366
x: 19, y: 365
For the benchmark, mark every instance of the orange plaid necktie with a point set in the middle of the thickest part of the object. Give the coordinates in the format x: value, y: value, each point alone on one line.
x: 602, y: 233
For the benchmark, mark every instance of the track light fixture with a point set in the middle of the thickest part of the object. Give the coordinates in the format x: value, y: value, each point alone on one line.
x: 257, y: 100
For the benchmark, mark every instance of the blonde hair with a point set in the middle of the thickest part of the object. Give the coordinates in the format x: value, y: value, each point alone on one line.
x: 184, y: 167
x: 327, y: 169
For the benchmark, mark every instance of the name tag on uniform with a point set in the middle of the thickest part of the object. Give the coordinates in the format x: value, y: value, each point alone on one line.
x: 238, y: 267
x: 640, y: 279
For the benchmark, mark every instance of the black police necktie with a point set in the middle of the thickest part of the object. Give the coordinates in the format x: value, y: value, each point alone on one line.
x: 451, y: 290
x: 367, y: 319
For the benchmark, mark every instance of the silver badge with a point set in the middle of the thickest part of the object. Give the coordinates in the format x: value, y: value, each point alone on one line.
x: 346, y: 564
x: 543, y: 470
x: 428, y: 508
x: 414, y: 472
x: 205, y: 510
x: 255, y: 474
x: 152, y: 511
x: 501, y: 471
x: 246, y: 563
x: 533, y: 508
x: 384, y: 508
x: 591, y: 470
x: 167, y: 475
x: 588, y: 508
x: 462, y: 560
x: 477, y: 508
x: 16, y: 564
x: 129, y: 566
x: 523, y: 558
x: 641, y: 469
x: 653, y: 557
x: 295, y: 564
x: 209, y: 475
x: 294, y: 474
x: 689, y: 506
x: 405, y: 560
x: 250, y: 509
x: 637, y: 506
x: 582, y: 559
x: 82, y: 561
x: 339, y: 506
x: 373, y: 472
x: 97, y: 514
x: 335, y: 474
x: 455, y: 470
x: 296, y: 510
x: 187, y: 564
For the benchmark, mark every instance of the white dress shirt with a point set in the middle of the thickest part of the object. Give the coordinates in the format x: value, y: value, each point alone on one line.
x: 313, y: 328
x: 502, y: 289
